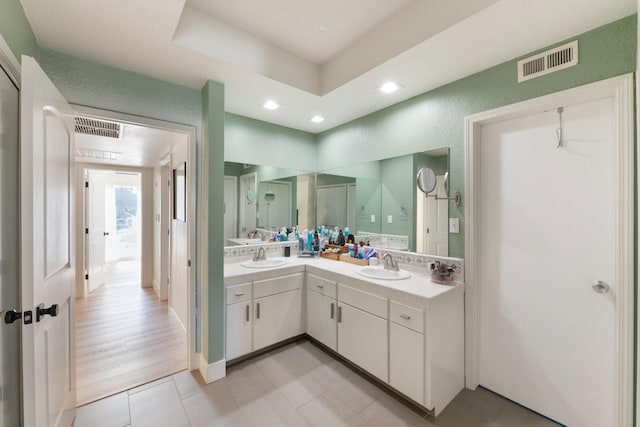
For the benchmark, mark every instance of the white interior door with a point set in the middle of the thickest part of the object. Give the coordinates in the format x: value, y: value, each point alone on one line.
x: 248, y: 207
x: 47, y: 250
x: 437, y: 220
x: 10, y: 388
x: 546, y: 234
x: 230, y: 217
x: 95, y: 224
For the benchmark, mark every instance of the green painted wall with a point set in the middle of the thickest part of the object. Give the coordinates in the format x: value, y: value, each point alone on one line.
x: 436, y: 118
x: 16, y: 30
x: 261, y: 143
x: 213, y: 129
x: 398, y: 197
x: 95, y: 85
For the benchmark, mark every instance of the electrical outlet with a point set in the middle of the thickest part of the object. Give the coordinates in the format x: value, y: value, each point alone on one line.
x: 389, y: 219
x: 373, y: 218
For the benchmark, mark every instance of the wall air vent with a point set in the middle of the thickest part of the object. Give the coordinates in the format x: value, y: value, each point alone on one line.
x: 97, y: 127
x: 97, y: 154
x: 556, y: 59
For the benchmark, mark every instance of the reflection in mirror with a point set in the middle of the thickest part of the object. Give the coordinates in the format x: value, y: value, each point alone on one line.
x: 426, y: 180
x: 261, y: 198
x: 389, y: 209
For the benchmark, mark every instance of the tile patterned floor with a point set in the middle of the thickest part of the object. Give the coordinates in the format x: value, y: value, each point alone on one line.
x: 296, y: 385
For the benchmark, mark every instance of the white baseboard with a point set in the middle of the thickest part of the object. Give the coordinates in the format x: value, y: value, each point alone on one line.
x: 156, y: 287
x: 212, y: 371
x: 173, y: 313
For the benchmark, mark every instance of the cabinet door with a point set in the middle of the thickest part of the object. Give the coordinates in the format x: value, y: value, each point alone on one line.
x: 321, y: 318
x: 277, y: 317
x: 363, y: 339
x: 406, y: 362
x: 239, y: 330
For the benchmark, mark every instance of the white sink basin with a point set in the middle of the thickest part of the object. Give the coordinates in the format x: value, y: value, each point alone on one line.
x: 265, y: 263
x: 383, y: 274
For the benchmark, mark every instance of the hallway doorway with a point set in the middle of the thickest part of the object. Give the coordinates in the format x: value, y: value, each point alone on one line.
x: 131, y: 326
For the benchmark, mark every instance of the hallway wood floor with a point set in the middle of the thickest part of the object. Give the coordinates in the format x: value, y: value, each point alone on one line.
x: 125, y: 337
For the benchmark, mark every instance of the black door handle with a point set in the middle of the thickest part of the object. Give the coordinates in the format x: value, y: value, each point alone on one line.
x: 106, y: 233
x: 13, y: 315
x: 41, y: 311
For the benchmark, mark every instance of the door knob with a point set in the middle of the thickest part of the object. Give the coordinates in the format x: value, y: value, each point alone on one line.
x: 41, y: 311
x: 600, y: 287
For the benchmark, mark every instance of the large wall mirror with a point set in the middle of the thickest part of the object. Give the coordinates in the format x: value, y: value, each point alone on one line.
x: 378, y: 200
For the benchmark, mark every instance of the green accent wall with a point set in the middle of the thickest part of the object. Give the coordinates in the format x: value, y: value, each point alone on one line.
x: 436, y: 118
x: 261, y: 143
x: 91, y: 84
x: 213, y: 296
x: 16, y: 30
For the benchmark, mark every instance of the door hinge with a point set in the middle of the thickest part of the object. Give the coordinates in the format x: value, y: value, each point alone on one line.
x: 427, y: 229
x: 86, y: 184
x: 86, y: 231
x: 86, y: 277
x: 188, y: 263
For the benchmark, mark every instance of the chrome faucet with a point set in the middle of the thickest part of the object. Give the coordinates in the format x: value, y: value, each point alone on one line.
x: 259, y: 255
x: 389, y: 263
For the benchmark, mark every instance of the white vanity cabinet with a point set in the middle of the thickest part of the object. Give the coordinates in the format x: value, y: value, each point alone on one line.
x: 363, y: 336
x: 239, y: 336
x: 321, y: 310
x: 278, y: 310
x: 406, y: 350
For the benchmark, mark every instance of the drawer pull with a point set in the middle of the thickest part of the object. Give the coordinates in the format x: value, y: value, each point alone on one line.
x: 405, y: 316
x: 339, y: 314
x: 257, y: 310
x: 247, y: 311
x: 332, y: 310
x: 239, y: 294
x: 320, y: 286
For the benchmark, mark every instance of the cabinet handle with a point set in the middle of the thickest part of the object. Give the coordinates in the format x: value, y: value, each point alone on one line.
x: 339, y: 314
x: 239, y: 294
x: 332, y: 310
x: 247, y: 311
x: 320, y: 286
x: 405, y: 316
x: 257, y: 310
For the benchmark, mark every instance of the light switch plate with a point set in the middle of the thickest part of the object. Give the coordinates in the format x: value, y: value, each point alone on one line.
x: 389, y: 219
x: 373, y: 218
x: 454, y: 225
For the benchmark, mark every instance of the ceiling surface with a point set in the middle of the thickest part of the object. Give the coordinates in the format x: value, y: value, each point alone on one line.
x: 325, y: 58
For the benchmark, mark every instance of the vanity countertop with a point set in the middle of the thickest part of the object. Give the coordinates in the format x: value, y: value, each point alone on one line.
x: 419, y: 284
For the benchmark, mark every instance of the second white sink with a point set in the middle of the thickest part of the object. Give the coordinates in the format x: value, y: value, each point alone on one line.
x: 265, y: 263
x: 383, y: 274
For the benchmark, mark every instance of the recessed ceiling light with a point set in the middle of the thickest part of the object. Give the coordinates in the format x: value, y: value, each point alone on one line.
x: 322, y: 28
x: 317, y: 119
x: 271, y: 105
x: 389, y: 87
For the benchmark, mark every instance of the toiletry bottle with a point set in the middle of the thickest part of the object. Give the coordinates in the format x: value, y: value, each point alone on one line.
x: 340, y: 238
x: 310, y: 242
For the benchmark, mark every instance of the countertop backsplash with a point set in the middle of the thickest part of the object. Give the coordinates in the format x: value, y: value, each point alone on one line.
x: 418, y: 263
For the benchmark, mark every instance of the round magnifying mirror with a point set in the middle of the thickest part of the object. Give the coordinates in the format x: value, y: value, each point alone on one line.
x: 426, y: 180
x: 251, y: 196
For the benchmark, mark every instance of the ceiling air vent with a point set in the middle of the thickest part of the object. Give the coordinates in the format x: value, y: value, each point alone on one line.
x: 97, y: 127
x: 548, y: 62
x: 97, y: 154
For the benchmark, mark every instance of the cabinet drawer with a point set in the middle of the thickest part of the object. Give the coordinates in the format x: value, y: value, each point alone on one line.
x: 263, y: 288
x: 322, y: 286
x: 238, y: 293
x: 363, y: 300
x: 410, y: 317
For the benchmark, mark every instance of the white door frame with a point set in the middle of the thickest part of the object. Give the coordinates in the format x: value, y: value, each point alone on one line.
x: 193, y: 321
x: 622, y: 90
